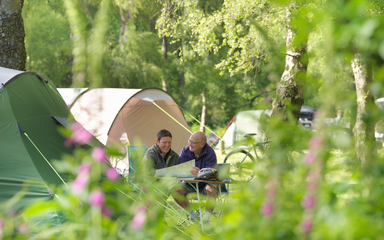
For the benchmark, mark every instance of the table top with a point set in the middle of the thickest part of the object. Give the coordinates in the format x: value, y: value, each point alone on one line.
x: 226, y: 181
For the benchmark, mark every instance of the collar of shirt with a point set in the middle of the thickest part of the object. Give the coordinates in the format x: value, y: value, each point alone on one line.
x: 202, y: 153
x: 166, y: 155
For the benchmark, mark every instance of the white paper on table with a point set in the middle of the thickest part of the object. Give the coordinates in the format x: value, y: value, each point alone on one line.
x: 182, y: 170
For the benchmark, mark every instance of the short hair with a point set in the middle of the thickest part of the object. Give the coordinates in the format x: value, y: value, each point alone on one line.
x: 163, y: 133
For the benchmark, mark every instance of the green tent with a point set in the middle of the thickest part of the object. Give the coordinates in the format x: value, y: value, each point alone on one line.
x: 30, y: 112
x: 245, y: 122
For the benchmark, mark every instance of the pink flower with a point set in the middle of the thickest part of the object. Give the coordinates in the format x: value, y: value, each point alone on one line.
x: 267, y: 209
x: 267, y: 99
x: 312, y: 184
x: 99, y: 154
x: 311, y: 187
x: 79, y: 135
x: 139, y: 219
x: 82, y: 178
x: 84, y: 168
x: 308, y: 202
x: 68, y: 142
x: 306, y: 225
x: 80, y: 183
x: 23, y: 228
x: 271, y: 189
x: 315, y: 142
x: 96, y: 198
x: 312, y: 175
x: 112, y: 174
x: 1, y: 228
x: 310, y: 158
x: 106, y: 211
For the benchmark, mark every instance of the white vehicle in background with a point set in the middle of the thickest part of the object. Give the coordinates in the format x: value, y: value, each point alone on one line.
x: 379, y: 127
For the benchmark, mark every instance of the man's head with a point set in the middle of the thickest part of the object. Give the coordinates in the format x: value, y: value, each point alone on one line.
x: 164, y: 141
x: 196, y: 142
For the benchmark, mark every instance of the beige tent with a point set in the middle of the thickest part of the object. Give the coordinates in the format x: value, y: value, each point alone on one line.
x: 128, y: 116
x: 70, y: 94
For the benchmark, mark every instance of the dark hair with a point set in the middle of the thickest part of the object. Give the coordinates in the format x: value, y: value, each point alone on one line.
x: 163, y: 133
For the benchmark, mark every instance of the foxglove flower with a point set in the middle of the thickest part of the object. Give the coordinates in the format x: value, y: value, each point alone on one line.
x: 23, y: 228
x: 306, y: 225
x: 82, y: 178
x: 80, y: 135
x: 96, y: 198
x: 308, y: 202
x: 310, y: 158
x: 99, y: 154
x: 112, y: 174
x: 84, y: 168
x: 267, y: 209
x: 315, y: 142
x: 1, y: 228
x: 140, y: 217
x: 106, y: 211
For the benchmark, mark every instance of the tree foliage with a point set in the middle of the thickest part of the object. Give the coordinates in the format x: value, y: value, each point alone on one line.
x: 62, y: 54
x: 48, y: 40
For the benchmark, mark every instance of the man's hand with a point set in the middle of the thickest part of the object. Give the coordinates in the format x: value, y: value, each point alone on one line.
x: 195, y: 170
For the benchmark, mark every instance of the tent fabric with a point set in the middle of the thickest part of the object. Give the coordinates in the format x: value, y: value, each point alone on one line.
x: 70, y: 94
x: 245, y: 122
x: 229, y: 136
x: 7, y: 74
x: 130, y: 116
x: 28, y: 101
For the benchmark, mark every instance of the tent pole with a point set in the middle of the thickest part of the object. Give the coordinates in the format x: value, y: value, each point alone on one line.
x: 172, y: 117
x: 197, y: 120
x: 45, y: 159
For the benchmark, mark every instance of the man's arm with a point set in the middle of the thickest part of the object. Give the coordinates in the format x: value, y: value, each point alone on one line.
x: 211, y: 160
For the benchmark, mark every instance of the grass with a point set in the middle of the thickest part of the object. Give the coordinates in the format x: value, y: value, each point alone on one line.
x: 179, y: 225
x: 339, y: 172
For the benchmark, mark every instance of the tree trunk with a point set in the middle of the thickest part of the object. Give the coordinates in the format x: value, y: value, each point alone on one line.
x: 164, y: 47
x: 363, y: 133
x: 340, y: 113
x: 203, y: 111
x: 12, y: 34
x: 288, y: 88
x: 181, y: 84
x: 181, y: 79
x: 164, y: 52
x: 124, y: 17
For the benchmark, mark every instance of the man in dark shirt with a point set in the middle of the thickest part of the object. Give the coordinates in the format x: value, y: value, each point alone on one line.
x: 205, y: 157
x: 160, y: 155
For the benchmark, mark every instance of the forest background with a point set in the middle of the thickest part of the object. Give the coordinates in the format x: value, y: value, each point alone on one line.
x: 216, y: 57
x: 138, y: 54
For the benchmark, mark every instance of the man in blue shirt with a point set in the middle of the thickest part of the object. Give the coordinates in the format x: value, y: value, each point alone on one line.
x: 205, y: 157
